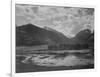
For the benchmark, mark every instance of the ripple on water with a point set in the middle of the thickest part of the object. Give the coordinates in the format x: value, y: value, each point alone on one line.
x: 50, y: 60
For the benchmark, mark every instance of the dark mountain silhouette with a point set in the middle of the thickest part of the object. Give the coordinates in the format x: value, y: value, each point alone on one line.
x: 85, y: 39
x: 32, y: 35
x: 83, y: 36
x: 90, y: 40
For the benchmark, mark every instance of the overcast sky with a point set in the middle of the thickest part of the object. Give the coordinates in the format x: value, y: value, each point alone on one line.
x: 68, y: 20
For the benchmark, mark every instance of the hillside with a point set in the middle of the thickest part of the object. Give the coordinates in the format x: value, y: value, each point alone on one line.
x: 32, y: 35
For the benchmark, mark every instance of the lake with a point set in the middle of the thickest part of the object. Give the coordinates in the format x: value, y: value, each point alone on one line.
x: 78, y: 59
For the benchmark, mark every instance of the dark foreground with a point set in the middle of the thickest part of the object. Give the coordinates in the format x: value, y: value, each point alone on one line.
x: 23, y: 68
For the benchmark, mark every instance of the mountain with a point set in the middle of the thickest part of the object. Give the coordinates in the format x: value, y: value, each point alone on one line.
x: 91, y: 40
x: 82, y: 37
x: 29, y: 35
x: 61, y: 35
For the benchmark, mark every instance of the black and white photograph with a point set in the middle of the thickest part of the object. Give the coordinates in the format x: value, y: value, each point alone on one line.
x: 53, y: 38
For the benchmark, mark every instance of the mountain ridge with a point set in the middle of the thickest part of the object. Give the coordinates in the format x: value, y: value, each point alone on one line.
x: 30, y: 35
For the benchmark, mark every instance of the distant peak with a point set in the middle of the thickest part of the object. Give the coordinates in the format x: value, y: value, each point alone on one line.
x: 50, y: 29
x: 29, y: 25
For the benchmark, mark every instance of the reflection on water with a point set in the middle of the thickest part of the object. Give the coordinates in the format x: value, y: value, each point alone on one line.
x: 58, y: 59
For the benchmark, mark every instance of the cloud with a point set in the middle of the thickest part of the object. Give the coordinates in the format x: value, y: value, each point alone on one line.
x: 69, y: 20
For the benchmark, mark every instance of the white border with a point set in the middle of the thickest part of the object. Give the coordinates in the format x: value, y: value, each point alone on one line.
x: 45, y: 74
x: 13, y: 38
